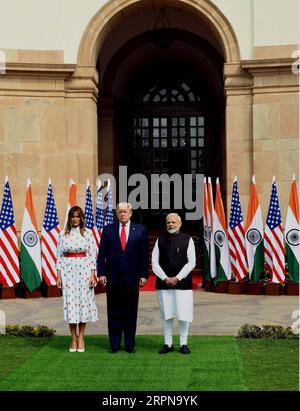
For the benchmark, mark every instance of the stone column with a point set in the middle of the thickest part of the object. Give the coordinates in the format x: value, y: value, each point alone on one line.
x: 275, y: 127
x: 239, y: 142
x: 48, y: 128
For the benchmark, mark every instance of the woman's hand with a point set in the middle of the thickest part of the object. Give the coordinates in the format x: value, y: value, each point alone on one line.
x: 58, y: 280
x: 92, y: 280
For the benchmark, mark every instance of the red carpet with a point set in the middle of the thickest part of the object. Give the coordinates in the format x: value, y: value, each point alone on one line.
x: 150, y: 286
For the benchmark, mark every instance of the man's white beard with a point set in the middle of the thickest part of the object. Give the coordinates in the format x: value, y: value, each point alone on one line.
x: 172, y: 230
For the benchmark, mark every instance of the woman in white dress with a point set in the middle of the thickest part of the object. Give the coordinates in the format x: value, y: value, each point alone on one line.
x: 76, y: 265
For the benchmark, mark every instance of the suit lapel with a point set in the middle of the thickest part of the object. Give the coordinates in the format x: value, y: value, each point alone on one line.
x: 117, y: 236
x: 132, y: 232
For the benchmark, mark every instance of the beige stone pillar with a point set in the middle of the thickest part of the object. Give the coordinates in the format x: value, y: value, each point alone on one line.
x: 107, y: 150
x: 275, y: 127
x: 48, y: 128
x: 239, y: 144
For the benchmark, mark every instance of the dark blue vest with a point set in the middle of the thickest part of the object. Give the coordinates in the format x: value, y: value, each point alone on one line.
x: 172, y: 258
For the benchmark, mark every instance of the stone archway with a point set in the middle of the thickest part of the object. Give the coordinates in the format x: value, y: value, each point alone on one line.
x: 237, y: 83
x: 112, y: 12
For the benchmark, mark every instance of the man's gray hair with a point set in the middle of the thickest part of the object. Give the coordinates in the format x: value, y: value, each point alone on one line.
x: 124, y: 205
x: 174, y: 214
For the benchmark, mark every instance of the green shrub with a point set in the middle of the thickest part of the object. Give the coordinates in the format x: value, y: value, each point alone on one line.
x: 26, y: 331
x: 266, y: 331
x: 12, y: 329
x: 39, y: 331
x: 44, y: 331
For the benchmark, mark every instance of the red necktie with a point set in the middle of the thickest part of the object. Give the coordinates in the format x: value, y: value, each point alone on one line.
x: 123, y: 237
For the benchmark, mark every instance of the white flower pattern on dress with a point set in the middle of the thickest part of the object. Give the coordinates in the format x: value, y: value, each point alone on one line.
x: 78, y: 299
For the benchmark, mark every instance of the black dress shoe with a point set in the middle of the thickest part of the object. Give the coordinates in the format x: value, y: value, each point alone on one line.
x: 165, y: 349
x: 130, y: 350
x: 184, y: 349
x: 113, y: 350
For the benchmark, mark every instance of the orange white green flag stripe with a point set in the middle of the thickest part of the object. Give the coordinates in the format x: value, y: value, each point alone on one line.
x: 291, y: 234
x: 221, y: 239
x: 206, y: 233
x: 254, y: 235
x: 30, y: 252
x: 210, y: 216
x: 72, y: 198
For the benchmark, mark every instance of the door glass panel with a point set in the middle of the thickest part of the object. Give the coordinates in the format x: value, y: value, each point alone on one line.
x: 164, y: 132
x: 200, y: 121
x: 193, y: 131
x: 201, y: 142
x: 182, y: 142
x: 201, y: 131
x: 193, y: 121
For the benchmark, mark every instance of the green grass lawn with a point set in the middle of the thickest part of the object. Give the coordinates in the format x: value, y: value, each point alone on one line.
x: 215, y: 364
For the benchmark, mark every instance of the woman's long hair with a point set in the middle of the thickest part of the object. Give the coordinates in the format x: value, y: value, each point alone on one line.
x: 75, y: 209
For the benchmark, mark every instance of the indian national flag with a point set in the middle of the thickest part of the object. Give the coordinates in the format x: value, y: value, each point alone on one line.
x: 206, y: 233
x: 210, y: 217
x: 254, y: 236
x: 72, y: 198
x: 221, y: 239
x: 291, y: 234
x: 30, y: 253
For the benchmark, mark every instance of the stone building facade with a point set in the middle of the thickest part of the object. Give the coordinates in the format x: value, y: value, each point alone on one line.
x: 66, y: 75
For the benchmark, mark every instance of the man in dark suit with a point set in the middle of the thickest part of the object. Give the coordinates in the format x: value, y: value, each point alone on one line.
x: 123, y: 267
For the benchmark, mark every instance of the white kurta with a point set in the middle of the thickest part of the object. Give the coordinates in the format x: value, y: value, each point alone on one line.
x: 78, y: 298
x: 175, y: 303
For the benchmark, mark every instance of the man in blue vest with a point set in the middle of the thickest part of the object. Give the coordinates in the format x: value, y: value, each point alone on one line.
x: 122, y: 267
x: 173, y: 259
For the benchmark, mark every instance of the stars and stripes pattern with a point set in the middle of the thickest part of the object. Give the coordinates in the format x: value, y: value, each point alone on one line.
x: 236, y: 236
x: 9, y: 253
x: 49, y: 239
x: 274, y: 239
x: 89, y: 214
x: 99, y: 209
x: 109, y: 216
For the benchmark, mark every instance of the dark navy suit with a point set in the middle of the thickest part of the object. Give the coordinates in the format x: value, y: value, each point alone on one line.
x: 123, y: 271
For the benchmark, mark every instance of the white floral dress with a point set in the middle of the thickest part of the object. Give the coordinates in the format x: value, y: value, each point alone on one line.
x: 78, y: 299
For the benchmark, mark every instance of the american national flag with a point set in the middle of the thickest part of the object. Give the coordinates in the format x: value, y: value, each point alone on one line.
x: 9, y: 253
x: 274, y: 242
x: 89, y: 214
x: 99, y: 209
x: 49, y: 238
x: 109, y: 217
x: 236, y: 236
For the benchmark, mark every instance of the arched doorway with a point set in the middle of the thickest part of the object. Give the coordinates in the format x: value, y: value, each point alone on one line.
x: 165, y: 110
